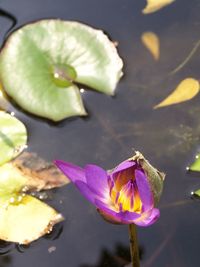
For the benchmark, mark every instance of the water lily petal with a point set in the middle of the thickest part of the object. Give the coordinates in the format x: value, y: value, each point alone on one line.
x: 97, y: 180
x: 123, y: 166
x: 113, y: 216
x: 105, y: 208
x: 129, y: 217
x: 148, y: 218
x: 121, y: 178
x: 72, y: 171
x: 144, y: 190
x: 86, y: 191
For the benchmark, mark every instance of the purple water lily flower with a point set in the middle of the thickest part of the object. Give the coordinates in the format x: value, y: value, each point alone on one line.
x: 126, y: 194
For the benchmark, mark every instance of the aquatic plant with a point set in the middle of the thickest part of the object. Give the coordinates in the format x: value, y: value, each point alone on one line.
x: 127, y: 194
x: 49, y: 59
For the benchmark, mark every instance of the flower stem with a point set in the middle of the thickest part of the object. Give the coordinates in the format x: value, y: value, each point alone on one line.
x: 134, y: 246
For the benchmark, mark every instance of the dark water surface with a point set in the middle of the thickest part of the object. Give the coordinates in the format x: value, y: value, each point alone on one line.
x: 169, y: 137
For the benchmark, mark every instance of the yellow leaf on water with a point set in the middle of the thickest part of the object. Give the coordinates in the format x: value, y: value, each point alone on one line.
x: 155, y: 5
x: 24, y: 218
x: 186, y: 90
x: 152, y: 43
x: 27, y: 220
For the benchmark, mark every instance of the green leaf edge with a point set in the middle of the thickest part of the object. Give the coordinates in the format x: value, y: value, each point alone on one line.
x: 23, y: 145
x: 195, y: 166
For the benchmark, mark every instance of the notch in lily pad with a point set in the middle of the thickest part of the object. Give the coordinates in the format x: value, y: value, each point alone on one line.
x: 49, y: 59
x: 63, y: 75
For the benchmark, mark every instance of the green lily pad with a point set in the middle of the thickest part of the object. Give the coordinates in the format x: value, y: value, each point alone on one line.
x: 13, y: 137
x: 41, y: 63
x: 195, y: 166
x: 23, y: 218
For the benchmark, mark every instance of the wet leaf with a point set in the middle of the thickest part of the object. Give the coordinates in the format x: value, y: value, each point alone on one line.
x: 185, y: 91
x: 155, y: 5
x: 48, y: 58
x: 27, y: 220
x: 13, y: 137
x: 22, y: 218
x: 4, y: 103
x: 39, y: 173
x: 11, y: 184
x: 195, y: 166
x: 152, y: 43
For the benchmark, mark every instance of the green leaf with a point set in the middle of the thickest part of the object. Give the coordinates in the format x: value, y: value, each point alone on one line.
x: 13, y: 137
x: 197, y: 193
x: 41, y: 62
x: 11, y: 182
x: 195, y: 166
x: 27, y: 220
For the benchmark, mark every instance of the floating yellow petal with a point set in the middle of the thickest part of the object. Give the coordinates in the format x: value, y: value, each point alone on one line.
x: 186, y: 90
x: 152, y: 43
x: 155, y: 5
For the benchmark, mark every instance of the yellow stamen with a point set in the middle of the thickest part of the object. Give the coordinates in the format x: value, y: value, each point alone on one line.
x: 128, y: 198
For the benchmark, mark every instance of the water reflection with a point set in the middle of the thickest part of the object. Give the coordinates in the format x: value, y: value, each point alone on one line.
x: 5, y: 248
x: 120, y: 257
x: 10, y: 17
x: 5, y: 261
x: 21, y: 248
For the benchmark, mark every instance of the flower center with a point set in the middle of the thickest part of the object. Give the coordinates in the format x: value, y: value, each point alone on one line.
x: 128, y: 198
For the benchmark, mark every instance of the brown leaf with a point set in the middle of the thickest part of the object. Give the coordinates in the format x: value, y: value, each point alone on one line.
x: 41, y: 174
x: 185, y: 91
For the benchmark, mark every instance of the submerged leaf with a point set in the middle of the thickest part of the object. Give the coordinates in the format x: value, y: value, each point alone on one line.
x: 47, y: 58
x: 186, y: 90
x: 195, y: 166
x: 152, y: 43
x: 155, y: 5
x: 13, y: 137
x: 27, y: 220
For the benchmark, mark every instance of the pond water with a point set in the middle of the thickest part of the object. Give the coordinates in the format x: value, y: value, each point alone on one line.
x: 168, y: 137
